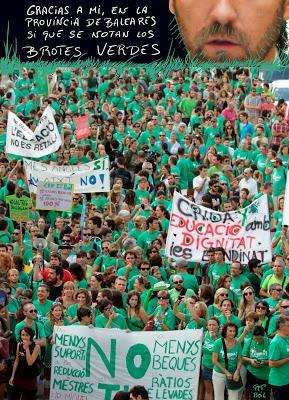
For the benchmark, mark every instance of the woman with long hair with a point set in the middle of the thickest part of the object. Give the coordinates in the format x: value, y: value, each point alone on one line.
x: 136, y: 315
x: 206, y: 294
x: 227, y: 367
x: 55, y: 318
x: 214, y: 310
x: 247, y: 302
x: 78, y: 276
x: 68, y: 292
x: 23, y: 381
x: 96, y: 281
x: 196, y: 315
x: 263, y: 312
x: 82, y: 299
x: 225, y: 282
x: 212, y: 334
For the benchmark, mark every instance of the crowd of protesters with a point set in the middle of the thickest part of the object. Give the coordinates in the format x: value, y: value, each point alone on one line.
x: 219, y: 138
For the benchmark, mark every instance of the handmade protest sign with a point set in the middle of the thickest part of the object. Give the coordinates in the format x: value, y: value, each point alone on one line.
x: 95, y: 363
x: 19, y: 207
x: 54, y: 196
x: 81, y: 127
x: 86, y: 178
x: 244, y: 234
x: 22, y: 141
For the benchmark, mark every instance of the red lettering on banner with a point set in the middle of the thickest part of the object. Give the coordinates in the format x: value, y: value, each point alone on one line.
x: 204, y: 229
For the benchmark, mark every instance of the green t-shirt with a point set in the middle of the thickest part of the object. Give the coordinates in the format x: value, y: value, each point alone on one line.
x: 146, y: 238
x: 190, y: 281
x: 118, y: 322
x: 278, y: 350
x: 279, y: 181
x: 223, y: 320
x: 215, y: 271
x: 42, y: 310
x: 207, y: 351
x: 236, y: 284
x: 233, y: 355
x: 169, y: 319
x: 39, y: 330
x: 257, y: 351
x: 271, y: 279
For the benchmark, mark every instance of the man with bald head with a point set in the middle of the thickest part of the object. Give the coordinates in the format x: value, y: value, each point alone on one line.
x: 220, y: 30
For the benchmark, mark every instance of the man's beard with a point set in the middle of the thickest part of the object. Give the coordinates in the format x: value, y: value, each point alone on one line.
x: 195, y: 47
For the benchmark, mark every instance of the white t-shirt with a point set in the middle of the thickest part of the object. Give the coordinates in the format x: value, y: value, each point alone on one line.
x: 250, y: 184
x: 197, y: 181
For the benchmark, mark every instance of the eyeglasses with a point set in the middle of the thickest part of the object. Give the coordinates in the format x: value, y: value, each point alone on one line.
x: 224, y: 295
x: 15, y: 233
x: 66, y: 241
x: 93, y: 209
x: 87, y: 234
x: 154, y: 251
x: 176, y: 282
x: 145, y: 269
x: 32, y: 311
x: 261, y: 308
x: 75, y: 198
x: 104, y: 248
x: 285, y: 306
x: 215, y: 187
x: 277, y: 290
x: 248, y: 293
x: 163, y: 298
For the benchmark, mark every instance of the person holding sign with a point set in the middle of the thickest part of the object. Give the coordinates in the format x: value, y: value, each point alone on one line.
x: 227, y: 361
x: 255, y: 354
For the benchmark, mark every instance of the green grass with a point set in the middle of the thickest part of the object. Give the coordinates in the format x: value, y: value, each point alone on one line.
x: 11, y: 62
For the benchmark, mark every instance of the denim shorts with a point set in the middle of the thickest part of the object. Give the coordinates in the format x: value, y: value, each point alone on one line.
x: 207, y: 374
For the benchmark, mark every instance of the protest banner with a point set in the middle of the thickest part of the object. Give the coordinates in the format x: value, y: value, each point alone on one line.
x: 96, y: 363
x: 285, y: 220
x: 244, y: 234
x: 19, y: 207
x: 86, y: 178
x: 54, y: 196
x: 22, y: 141
x: 81, y: 127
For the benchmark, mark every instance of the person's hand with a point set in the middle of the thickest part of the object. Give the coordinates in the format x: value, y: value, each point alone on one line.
x: 160, y: 318
x: 236, y: 377
x: 254, y: 364
x: 11, y: 380
x: 229, y: 375
x: 111, y: 315
x: 129, y: 267
x: 18, y: 292
x: 177, y: 302
x: 25, y: 345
